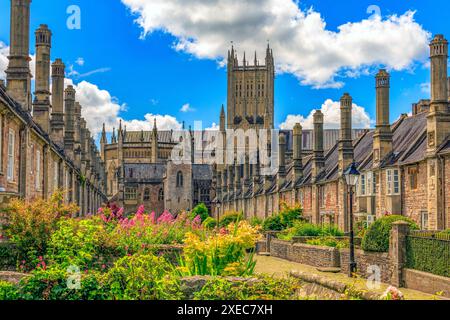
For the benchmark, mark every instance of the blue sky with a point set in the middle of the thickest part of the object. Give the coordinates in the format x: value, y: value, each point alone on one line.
x: 146, y: 75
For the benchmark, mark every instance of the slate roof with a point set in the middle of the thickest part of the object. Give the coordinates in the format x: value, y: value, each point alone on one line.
x: 144, y: 172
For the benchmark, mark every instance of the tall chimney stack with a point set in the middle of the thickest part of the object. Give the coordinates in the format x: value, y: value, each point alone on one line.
x: 318, y: 152
x: 57, y: 121
x: 438, y: 119
x: 18, y: 72
x: 69, y: 134
x: 297, y: 152
x: 345, y: 139
x: 382, y: 144
x: 281, y: 177
x: 41, y: 104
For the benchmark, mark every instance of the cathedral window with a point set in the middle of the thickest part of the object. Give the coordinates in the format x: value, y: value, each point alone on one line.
x: 147, y: 194
x: 130, y: 193
x: 179, y: 179
x: 55, y: 175
x: 11, y: 162
x: 161, y: 195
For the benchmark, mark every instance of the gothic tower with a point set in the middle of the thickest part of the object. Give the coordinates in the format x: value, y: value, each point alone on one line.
x: 250, y: 92
x: 18, y: 72
x: 41, y: 104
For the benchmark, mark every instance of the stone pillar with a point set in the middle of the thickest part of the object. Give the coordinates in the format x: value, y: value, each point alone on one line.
x: 397, y: 251
x: 382, y: 140
x: 57, y: 121
x: 281, y: 177
x: 297, y: 152
x: 41, y: 104
x: 318, y: 157
x: 18, y: 72
x: 69, y: 134
x: 345, y: 139
x: 155, y: 150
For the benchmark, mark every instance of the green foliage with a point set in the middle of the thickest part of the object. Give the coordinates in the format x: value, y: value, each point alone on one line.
x: 377, y: 236
x: 428, y: 255
x: 8, y: 256
x: 52, y: 284
x: 220, y: 254
x: 8, y: 291
x: 142, y: 277
x: 262, y: 288
x: 444, y: 233
x: 30, y: 225
x: 230, y: 217
x: 200, y: 210
x: 256, y: 222
x: 210, y: 223
x: 84, y: 243
x: 328, y: 242
x: 284, y: 220
x: 304, y: 229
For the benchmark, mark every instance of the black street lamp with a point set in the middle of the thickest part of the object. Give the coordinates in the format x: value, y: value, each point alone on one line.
x: 351, y: 177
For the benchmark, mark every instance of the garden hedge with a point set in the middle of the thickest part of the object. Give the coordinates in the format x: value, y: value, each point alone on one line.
x: 377, y: 236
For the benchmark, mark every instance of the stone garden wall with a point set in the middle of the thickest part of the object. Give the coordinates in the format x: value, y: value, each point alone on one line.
x: 368, y: 263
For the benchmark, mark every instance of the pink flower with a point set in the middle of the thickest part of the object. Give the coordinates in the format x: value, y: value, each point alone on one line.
x: 103, y: 266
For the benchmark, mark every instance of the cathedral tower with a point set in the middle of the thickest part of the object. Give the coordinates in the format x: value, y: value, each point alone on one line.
x: 250, y: 92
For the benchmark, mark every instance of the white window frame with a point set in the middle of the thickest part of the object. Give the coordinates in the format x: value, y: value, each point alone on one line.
x: 10, y: 154
x: 393, y: 182
x: 38, y: 170
x: 363, y: 185
x: 423, y: 214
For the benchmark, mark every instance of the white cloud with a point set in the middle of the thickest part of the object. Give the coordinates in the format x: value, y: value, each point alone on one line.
x: 80, y: 61
x: 303, y: 46
x: 214, y: 127
x: 187, y: 108
x: 332, y: 117
x: 98, y: 107
x: 425, y: 87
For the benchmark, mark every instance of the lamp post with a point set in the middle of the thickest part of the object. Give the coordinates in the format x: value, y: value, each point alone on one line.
x: 351, y: 177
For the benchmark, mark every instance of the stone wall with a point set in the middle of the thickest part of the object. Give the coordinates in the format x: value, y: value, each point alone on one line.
x: 306, y: 254
x: 367, y: 262
x: 426, y: 282
x: 314, y: 255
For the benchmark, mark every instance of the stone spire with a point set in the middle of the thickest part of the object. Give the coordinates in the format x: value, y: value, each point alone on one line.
x: 222, y: 119
x: 18, y: 72
x: 104, y: 140
x: 297, y: 152
x: 345, y: 136
x: 318, y: 152
x: 41, y: 104
x: 382, y: 144
x: 155, y: 147
x: 57, y: 121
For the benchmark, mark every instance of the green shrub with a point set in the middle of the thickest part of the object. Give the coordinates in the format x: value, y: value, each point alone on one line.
x: 230, y: 217
x: 8, y: 291
x: 200, y: 210
x: 377, y: 236
x: 287, y: 217
x: 210, y: 223
x: 31, y: 224
x: 256, y: 222
x: 444, y: 233
x: 8, y: 256
x: 142, y: 277
x: 304, y: 229
x: 53, y: 284
x: 262, y: 288
x: 84, y: 243
x: 328, y: 242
